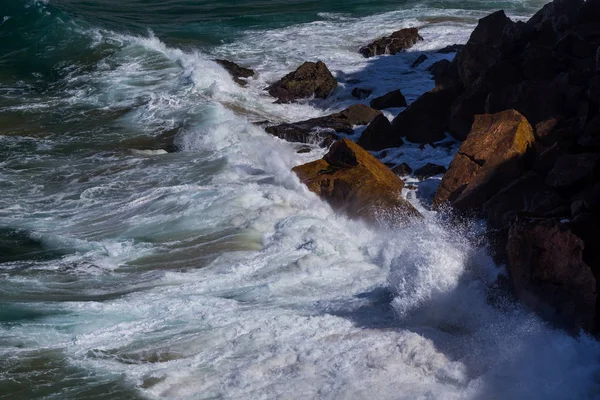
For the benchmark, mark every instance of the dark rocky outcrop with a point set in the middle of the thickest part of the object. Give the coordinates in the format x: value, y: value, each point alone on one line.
x: 379, y: 135
x: 354, y: 182
x: 426, y: 120
x: 238, y: 73
x: 395, y: 43
x: 391, y: 99
x: 322, y: 130
x: 310, y: 79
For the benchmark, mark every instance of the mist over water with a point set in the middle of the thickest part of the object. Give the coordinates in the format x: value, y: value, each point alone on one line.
x: 130, y: 270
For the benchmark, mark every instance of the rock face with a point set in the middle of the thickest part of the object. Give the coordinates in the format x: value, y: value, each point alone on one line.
x: 323, y: 130
x: 310, y: 79
x: 389, y: 100
x: 354, y: 182
x: 237, y: 72
x: 548, y: 273
x: 490, y: 158
x: 395, y: 43
x: 379, y: 135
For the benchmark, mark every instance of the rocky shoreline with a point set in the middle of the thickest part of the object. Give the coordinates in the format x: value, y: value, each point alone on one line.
x: 524, y: 100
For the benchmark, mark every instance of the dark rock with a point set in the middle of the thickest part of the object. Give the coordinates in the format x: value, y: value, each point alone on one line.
x: 402, y: 169
x: 303, y: 150
x: 573, y: 170
x: 555, y: 17
x: 389, y: 100
x: 322, y: 130
x: 426, y: 120
x: 420, y: 60
x: 445, y: 74
x: 453, y: 48
x: 429, y: 170
x: 527, y: 196
x: 379, y: 135
x: 548, y: 274
x: 236, y: 71
x: 354, y: 182
x: 490, y: 158
x: 361, y: 93
x: 395, y: 43
x: 310, y: 79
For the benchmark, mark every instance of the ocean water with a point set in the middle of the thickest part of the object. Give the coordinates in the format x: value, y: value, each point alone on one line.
x: 154, y: 243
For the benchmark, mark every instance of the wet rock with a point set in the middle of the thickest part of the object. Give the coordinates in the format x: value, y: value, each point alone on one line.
x: 453, y: 48
x: 361, y: 93
x: 420, y: 60
x: 490, y: 158
x: 429, y: 170
x: 395, y: 43
x: 573, y: 170
x: 391, y: 99
x: 323, y: 130
x: 354, y: 182
x: 426, y: 120
x: 379, y: 135
x: 402, y: 169
x: 548, y: 273
x: 237, y: 72
x: 310, y: 79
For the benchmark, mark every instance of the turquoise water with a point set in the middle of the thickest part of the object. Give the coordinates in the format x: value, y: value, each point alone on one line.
x: 154, y: 242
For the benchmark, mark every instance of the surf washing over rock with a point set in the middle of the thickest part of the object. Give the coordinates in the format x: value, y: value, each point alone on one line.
x: 155, y: 241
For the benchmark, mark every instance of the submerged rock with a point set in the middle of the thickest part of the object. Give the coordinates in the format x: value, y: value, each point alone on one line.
x: 354, y: 182
x: 236, y: 71
x: 361, y: 93
x: 395, y: 43
x: 310, y: 79
x: 420, y: 60
x: 322, y: 130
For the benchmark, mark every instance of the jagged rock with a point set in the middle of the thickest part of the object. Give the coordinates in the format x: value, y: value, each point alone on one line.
x: 310, y: 79
x: 379, y: 135
x: 391, y: 99
x: 549, y: 275
x: 236, y: 71
x: 429, y: 170
x: 361, y: 93
x: 572, y: 170
x: 426, y: 120
x: 322, y: 130
x: 402, y: 169
x: 526, y: 196
x: 354, y: 182
x: 395, y: 43
x: 490, y: 158
x: 420, y: 60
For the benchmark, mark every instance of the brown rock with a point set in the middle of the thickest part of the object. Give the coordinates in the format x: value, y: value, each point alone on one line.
x: 354, y: 182
x: 389, y: 100
x: 395, y: 43
x: 488, y: 160
x: 379, y: 135
x: 549, y: 275
x: 322, y: 130
x: 310, y: 79
x: 426, y: 120
x: 236, y: 71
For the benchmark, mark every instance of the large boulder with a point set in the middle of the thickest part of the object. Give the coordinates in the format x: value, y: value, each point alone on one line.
x: 310, y: 79
x: 389, y: 100
x: 379, y: 135
x: 426, y: 119
x: 547, y: 271
x: 354, y: 182
x: 238, y: 73
x: 490, y: 158
x: 395, y: 43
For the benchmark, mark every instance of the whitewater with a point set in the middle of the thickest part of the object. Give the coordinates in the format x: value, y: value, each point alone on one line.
x: 211, y: 272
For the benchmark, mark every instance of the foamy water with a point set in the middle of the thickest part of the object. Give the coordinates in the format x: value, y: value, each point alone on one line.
x: 213, y: 273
